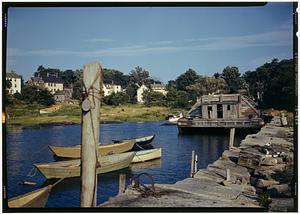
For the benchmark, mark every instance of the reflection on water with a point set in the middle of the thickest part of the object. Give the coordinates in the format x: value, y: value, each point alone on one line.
x: 28, y: 146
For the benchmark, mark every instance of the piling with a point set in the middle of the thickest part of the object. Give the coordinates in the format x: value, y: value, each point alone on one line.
x: 193, y: 164
x: 92, y: 78
x: 122, y: 183
x: 231, y: 138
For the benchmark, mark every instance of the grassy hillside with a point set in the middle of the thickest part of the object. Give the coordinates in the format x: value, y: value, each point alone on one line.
x: 30, y: 115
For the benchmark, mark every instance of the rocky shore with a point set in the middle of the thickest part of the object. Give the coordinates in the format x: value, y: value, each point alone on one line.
x: 257, y: 174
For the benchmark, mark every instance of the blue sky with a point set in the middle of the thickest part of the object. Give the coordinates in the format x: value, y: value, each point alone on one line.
x: 164, y: 41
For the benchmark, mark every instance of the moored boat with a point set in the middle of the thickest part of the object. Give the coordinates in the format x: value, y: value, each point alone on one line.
x: 103, y: 149
x: 71, y: 168
x: 139, y: 142
x: 37, y: 199
x: 146, y: 155
x: 174, y: 119
x: 34, y: 199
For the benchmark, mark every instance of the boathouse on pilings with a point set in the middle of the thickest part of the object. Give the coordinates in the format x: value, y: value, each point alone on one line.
x: 222, y: 111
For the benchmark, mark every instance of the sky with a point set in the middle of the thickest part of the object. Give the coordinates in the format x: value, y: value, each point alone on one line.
x: 166, y: 41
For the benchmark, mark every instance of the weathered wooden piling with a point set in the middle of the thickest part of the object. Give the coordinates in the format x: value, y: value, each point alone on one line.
x: 122, y: 183
x: 193, y: 164
x: 231, y: 138
x: 228, y: 176
x: 92, y: 78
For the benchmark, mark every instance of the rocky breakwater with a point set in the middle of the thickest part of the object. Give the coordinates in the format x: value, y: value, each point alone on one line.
x: 258, y: 174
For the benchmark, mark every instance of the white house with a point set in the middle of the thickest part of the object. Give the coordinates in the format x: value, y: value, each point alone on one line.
x: 140, y: 92
x: 15, y: 80
x: 159, y: 88
x: 108, y: 89
x: 51, y: 81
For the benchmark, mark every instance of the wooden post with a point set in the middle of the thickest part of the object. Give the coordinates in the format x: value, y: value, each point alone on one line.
x: 193, y: 164
x: 196, y: 164
x: 231, y: 138
x: 122, y: 183
x: 228, y: 176
x: 92, y: 78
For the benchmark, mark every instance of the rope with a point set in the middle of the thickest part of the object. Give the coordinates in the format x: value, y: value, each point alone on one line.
x: 146, y: 192
x: 32, y: 172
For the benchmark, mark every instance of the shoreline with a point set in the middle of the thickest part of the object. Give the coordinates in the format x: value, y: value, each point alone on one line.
x: 256, y: 179
x: 71, y: 114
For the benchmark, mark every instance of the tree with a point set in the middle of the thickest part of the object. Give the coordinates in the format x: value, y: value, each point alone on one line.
x: 32, y: 94
x: 153, y: 98
x: 139, y: 75
x: 116, y: 99
x: 207, y: 85
x: 8, y: 84
x: 44, y: 97
x: 186, y: 79
x: 274, y: 83
x: 231, y: 75
x: 69, y: 78
x: 131, y: 91
x: 111, y: 76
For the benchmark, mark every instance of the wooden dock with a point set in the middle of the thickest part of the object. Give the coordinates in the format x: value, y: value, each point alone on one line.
x: 234, y: 180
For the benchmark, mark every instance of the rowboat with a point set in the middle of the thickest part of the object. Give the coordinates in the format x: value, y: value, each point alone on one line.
x: 103, y: 149
x: 139, y: 142
x: 71, y: 168
x: 146, y: 155
x: 35, y: 199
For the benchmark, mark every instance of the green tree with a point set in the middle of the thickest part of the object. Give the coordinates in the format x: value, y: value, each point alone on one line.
x: 33, y: 94
x: 186, y: 79
x: 207, y: 85
x: 131, y: 91
x: 116, y: 99
x: 231, y: 75
x: 111, y: 76
x: 139, y: 75
x: 153, y: 98
x: 44, y: 97
x: 274, y: 82
x: 69, y: 78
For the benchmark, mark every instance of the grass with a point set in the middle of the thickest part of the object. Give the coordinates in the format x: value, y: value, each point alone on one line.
x: 29, y: 114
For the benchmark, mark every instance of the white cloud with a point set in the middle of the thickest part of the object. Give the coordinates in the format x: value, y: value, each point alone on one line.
x: 265, y: 39
x: 100, y: 40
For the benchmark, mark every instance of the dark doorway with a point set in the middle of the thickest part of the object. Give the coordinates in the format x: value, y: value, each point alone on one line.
x: 219, y: 111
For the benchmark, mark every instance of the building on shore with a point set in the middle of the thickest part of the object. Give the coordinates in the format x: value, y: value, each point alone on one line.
x: 139, y: 93
x: 160, y: 88
x: 50, y: 81
x: 15, y: 80
x: 221, y: 111
x: 63, y: 96
x: 108, y: 89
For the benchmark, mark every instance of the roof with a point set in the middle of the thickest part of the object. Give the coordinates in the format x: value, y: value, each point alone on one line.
x: 52, y: 79
x: 13, y: 75
x: 157, y: 86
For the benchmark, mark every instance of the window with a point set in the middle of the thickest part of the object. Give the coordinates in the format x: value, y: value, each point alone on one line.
x: 48, y: 84
x: 15, y: 85
x: 15, y: 80
x: 228, y: 107
x: 54, y: 85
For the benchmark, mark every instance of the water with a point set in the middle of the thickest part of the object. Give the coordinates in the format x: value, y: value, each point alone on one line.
x: 28, y: 146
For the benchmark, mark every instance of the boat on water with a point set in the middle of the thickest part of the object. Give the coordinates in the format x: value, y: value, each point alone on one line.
x: 103, y: 149
x: 146, y: 155
x: 71, y: 168
x: 139, y: 142
x: 37, y: 199
x: 34, y: 199
x: 173, y: 119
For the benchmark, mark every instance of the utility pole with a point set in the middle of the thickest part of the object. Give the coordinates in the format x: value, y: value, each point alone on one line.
x: 92, y: 82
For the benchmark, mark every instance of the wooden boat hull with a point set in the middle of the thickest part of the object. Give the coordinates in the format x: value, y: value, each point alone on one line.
x: 71, y: 168
x: 146, y: 155
x: 105, y: 149
x: 139, y: 142
x: 34, y: 199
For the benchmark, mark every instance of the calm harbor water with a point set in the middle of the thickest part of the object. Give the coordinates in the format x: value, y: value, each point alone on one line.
x: 26, y: 146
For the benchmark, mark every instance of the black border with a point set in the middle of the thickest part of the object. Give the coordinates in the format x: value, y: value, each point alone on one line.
x: 6, y: 5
